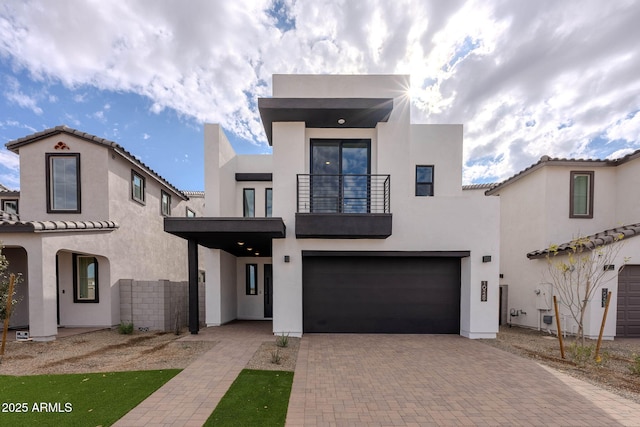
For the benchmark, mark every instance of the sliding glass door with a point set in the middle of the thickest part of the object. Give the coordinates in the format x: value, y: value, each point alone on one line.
x: 340, y: 180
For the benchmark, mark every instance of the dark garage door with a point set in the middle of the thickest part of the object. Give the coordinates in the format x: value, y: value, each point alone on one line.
x: 628, y: 319
x: 381, y: 294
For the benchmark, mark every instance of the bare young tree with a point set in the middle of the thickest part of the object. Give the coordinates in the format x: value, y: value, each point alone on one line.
x: 578, y: 270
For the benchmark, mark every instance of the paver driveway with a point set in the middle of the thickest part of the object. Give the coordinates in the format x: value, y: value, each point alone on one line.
x: 426, y: 380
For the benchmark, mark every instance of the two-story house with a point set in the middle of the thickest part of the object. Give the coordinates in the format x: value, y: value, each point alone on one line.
x: 90, y: 227
x: 357, y: 222
x: 553, y: 202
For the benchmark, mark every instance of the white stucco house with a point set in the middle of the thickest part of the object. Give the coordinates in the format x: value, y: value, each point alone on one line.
x: 357, y: 222
x: 86, y: 232
x: 553, y: 202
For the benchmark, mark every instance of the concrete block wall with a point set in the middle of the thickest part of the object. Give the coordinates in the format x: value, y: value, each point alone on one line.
x: 154, y: 305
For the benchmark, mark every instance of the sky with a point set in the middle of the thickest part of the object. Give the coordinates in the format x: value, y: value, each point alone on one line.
x: 525, y: 78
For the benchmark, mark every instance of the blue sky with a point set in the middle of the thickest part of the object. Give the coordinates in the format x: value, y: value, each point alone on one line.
x: 525, y: 78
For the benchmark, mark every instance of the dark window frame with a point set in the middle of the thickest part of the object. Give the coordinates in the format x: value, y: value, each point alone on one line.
x: 431, y: 184
x: 268, y: 214
x: 4, y: 202
x: 76, y: 281
x: 143, y: 189
x: 248, y: 274
x: 163, y: 195
x: 244, y: 202
x: 572, y: 206
x: 49, y: 171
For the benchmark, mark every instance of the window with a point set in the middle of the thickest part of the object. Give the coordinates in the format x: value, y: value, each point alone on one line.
x: 190, y: 213
x: 249, y: 202
x: 165, y: 203
x: 137, y: 187
x: 63, y: 183
x: 424, y: 180
x: 340, y: 181
x: 581, y: 195
x: 252, y: 279
x: 85, y: 279
x: 268, y: 195
x: 10, y: 206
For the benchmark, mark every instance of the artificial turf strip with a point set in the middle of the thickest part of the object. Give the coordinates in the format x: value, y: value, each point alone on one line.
x: 98, y: 399
x: 256, y: 398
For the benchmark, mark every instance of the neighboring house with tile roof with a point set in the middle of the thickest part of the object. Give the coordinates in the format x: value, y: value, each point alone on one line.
x: 9, y: 200
x: 90, y: 216
x: 552, y: 202
x: 358, y: 221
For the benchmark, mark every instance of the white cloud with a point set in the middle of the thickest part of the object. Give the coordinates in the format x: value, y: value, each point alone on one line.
x: 13, y: 94
x: 525, y: 78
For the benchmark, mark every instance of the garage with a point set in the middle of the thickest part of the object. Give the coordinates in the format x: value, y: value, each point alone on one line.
x: 381, y: 293
x: 628, y: 319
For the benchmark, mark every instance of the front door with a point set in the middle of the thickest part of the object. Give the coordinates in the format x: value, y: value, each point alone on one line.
x: 268, y: 291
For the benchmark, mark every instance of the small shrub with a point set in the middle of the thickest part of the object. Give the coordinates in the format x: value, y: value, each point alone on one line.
x: 125, y: 328
x: 282, y: 340
x: 580, y: 354
x: 635, y: 365
x: 275, y: 356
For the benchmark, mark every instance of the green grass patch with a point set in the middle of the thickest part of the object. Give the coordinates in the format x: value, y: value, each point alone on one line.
x: 75, y: 399
x: 256, y: 398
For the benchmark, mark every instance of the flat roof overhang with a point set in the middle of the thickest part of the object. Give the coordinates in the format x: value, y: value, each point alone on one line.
x: 238, y: 236
x: 324, y: 112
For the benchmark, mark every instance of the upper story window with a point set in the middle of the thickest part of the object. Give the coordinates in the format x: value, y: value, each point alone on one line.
x: 249, y: 202
x: 137, y: 187
x: 165, y: 203
x: 581, y: 195
x: 63, y: 183
x: 424, y: 180
x: 10, y: 206
x: 268, y: 196
x: 190, y: 213
x: 85, y: 279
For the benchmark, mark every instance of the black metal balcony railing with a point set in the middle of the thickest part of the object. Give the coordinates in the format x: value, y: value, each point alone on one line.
x: 344, y: 193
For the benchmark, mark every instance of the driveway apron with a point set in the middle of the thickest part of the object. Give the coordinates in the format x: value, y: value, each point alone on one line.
x: 422, y: 380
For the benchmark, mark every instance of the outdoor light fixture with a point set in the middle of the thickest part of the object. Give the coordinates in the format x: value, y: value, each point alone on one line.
x: 341, y: 121
x: 287, y: 258
x: 240, y: 243
x: 486, y: 258
x: 609, y: 267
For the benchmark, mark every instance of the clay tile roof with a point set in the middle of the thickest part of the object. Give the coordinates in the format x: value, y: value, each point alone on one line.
x: 478, y: 186
x: 193, y: 193
x: 599, y: 239
x: 556, y: 161
x: 16, y: 144
x: 9, y: 225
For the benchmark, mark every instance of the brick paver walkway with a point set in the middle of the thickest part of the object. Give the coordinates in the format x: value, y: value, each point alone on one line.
x: 189, y: 398
x: 388, y: 380
x: 424, y: 380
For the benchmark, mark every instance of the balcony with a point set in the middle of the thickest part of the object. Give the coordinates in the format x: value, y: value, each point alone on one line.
x: 343, y: 206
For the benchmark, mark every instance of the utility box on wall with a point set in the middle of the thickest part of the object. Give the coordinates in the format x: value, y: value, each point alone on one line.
x: 544, y: 296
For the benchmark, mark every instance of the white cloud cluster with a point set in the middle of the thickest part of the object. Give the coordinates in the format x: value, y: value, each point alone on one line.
x: 525, y: 78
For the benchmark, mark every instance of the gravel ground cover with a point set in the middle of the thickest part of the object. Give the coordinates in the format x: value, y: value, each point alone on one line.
x: 101, y: 351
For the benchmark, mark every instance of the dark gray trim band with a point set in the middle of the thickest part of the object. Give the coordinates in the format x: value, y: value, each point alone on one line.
x: 403, y: 254
x: 256, y: 176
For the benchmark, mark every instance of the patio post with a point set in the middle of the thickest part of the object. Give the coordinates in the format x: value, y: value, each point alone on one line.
x: 193, y: 286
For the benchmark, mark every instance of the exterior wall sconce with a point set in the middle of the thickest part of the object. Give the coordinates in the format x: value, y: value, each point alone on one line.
x: 286, y: 258
x: 609, y: 267
x: 486, y: 258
